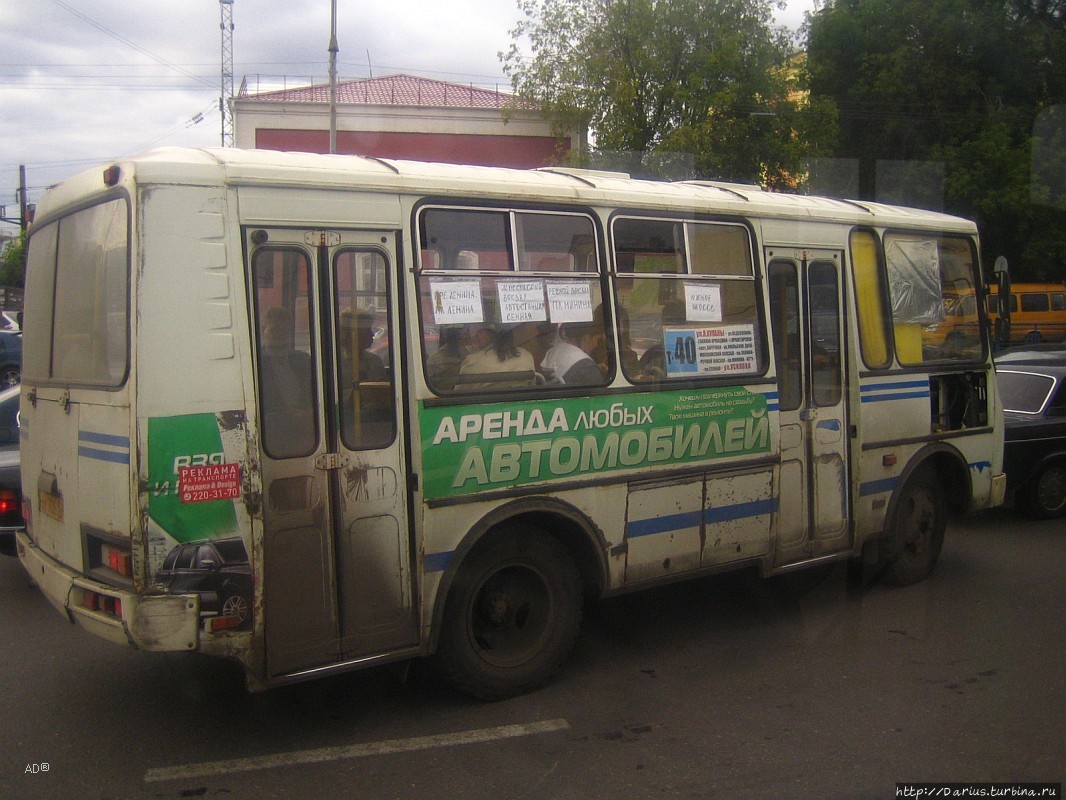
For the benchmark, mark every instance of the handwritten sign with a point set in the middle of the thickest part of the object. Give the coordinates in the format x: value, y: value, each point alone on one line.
x: 456, y: 302
x: 570, y: 302
x: 703, y: 303
x: 521, y: 301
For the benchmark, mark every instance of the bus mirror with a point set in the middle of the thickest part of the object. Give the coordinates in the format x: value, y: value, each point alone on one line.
x: 1000, y: 267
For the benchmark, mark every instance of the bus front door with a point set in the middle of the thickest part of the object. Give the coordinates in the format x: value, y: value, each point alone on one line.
x: 337, y: 583
x: 807, y: 327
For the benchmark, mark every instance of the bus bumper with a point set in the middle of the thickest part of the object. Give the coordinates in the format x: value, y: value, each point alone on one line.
x: 146, y: 622
x: 998, y: 492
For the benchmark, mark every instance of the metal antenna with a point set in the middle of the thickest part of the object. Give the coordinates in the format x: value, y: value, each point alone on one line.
x: 333, y: 79
x: 225, y: 101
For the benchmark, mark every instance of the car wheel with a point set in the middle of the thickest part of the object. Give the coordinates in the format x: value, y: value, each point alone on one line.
x: 917, y: 528
x: 512, y: 615
x: 235, y: 605
x: 11, y: 376
x: 1044, y: 496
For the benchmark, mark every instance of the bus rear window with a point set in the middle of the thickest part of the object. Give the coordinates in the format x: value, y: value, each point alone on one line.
x: 77, y: 293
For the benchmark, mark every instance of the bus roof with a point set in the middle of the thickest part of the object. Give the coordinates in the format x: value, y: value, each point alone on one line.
x: 548, y: 184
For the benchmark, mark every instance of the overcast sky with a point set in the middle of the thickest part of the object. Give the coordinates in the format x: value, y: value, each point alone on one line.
x: 83, y: 82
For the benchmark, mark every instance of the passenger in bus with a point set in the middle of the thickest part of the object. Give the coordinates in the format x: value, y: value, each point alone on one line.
x: 653, y: 365
x: 442, y: 365
x: 286, y: 391
x: 568, y: 361
x: 497, y: 362
x: 367, y: 416
x: 537, y: 338
x: 359, y: 339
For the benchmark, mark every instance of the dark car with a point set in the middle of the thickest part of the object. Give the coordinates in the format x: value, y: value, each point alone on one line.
x: 10, y: 358
x: 217, y: 570
x: 10, y: 480
x: 1033, y: 391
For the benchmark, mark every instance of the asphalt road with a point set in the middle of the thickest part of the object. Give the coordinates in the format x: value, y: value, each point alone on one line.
x: 721, y: 688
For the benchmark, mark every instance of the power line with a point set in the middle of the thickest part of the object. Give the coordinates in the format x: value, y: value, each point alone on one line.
x: 119, y: 37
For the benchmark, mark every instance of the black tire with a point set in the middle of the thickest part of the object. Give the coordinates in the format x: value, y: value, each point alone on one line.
x: 1044, y: 496
x: 916, y: 532
x: 10, y: 376
x: 511, y: 617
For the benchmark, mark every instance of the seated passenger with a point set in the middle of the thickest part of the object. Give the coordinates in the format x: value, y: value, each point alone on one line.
x: 442, y: 365
x: 653, y: 364
x: 568, y: 361
x: 497, y: 363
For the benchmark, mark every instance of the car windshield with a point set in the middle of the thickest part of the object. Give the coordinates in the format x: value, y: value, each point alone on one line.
x: 1024, y: 392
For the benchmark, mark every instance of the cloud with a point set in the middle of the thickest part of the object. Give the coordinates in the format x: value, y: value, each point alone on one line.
x: 83, y: 82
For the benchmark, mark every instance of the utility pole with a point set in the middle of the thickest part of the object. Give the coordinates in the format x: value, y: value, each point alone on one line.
x: 24, y: 221
x: 225, y: 101
x: 25, y: 209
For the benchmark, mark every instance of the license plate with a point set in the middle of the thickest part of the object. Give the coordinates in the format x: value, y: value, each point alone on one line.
x: 51, y: 505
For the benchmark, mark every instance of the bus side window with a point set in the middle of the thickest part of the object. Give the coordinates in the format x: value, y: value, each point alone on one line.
x: 287, y: 395
x: 364, y: 368
x: 870, y: 299
x: 785, y: 329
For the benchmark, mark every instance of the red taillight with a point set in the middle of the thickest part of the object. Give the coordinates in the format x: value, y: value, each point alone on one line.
x: 9, y: 502
x: 116, y: 559
x: 224, y: 623
x: 101, y: 602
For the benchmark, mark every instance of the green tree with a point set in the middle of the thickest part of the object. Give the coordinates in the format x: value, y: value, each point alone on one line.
x: 960, y: 83
x: 14, y: 263
x: 693, y: 88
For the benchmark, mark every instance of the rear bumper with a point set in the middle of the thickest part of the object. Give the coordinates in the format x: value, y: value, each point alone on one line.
x: 146, y: 622
x: 998, y: 490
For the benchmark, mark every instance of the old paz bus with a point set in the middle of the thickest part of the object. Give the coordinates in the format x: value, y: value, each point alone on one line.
x: 315, y: 413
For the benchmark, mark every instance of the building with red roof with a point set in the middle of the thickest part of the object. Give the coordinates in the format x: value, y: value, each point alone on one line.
x: 403, y: 117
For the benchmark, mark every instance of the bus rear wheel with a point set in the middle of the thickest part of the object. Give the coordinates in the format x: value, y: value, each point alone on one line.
x: 917, y: 529
x: 512, y: 615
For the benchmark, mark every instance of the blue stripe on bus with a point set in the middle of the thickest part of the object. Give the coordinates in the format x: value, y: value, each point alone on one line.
x: 894, y: 390
x: 436, y: 562
x: 692, y: 519
x: 104, y: 455
x: 981, y: 466
x: 878, y: 487
x: 877, y: 387
x: 880, y: 398
x: 104, y: 438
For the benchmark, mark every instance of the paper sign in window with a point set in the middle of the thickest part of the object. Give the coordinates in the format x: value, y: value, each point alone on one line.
x: 456, y: 302
x: 703, y: 302
x: 521, y: 301
x: 570, y: 302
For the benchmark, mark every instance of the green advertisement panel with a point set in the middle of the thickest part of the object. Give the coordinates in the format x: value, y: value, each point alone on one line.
x: 192, y: 483
x: 469, y: 449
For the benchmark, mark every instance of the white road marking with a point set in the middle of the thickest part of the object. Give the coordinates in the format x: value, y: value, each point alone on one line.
x: 353, y: 751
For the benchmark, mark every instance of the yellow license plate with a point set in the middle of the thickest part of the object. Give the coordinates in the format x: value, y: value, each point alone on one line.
x: 51, y: 505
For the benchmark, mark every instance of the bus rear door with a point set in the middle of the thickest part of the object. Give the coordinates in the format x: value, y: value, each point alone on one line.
x: 337, y: 561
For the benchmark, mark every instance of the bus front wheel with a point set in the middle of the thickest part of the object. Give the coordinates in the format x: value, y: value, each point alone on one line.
x: 512, y: 615
x: 917, y: 532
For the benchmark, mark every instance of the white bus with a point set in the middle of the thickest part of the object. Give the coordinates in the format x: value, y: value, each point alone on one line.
x: 315, y: 413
